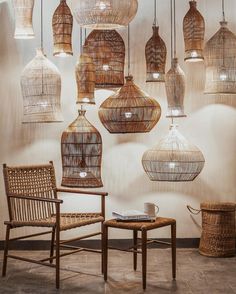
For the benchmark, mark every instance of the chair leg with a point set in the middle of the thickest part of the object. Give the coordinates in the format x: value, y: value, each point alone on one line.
x: 6, y: 245
x: 144, y: 257
x: 173, y: 249
x: 135, y: 235
x: 52, y: 245
x: 102, y: 249
x: 105, y: 250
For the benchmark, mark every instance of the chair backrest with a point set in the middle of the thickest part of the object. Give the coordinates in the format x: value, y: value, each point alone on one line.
x: 33, y: 181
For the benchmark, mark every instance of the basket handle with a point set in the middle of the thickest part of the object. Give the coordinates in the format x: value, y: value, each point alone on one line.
x: 193, y: 210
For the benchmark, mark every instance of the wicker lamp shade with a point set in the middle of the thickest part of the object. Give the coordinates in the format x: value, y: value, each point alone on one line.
x: 129, y: 110
x: 23, y: 19
x: 155, y: 53
x: 41, y: 90
x: 62, y: 24
x: 107, y: 49
x: 81, y: 150
x: 194, y: 32
x: 174, y: 159
x: 175, y: 90
x: 220, y: 62
x: 104, y: 14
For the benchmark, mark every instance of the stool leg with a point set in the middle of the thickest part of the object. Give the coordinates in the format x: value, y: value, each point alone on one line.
x: 105, y: 251
x: 144, y: 257
x: 135, y: 243
x: 173, y: 249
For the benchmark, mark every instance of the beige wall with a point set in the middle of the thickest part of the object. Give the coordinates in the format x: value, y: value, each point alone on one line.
x: 210, y: 123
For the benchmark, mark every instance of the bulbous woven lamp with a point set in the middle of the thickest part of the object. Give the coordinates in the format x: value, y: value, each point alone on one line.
x: 23, y: 19
x: 194, y: 32
x: 62, y: 24
x: 107, y: 49
x: 174, y: 159
x: 81, y: 150
x: 104, y: 14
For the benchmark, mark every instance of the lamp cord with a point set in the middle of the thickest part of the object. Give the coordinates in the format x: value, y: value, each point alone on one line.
x: 171, y: 26
x: 41, y: 41
x: 128, y: 50
x: 155, y: 13
x: 223, y: 9
x: 174, y: 30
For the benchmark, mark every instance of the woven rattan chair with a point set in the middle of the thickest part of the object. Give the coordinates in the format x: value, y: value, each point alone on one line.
x: 32, y: 202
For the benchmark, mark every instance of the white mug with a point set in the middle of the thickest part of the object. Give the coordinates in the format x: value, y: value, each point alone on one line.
x: 151, y: 209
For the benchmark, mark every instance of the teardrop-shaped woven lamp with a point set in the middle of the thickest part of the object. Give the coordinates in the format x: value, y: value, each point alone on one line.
x: 81, y: 151
x: 23, y: 19
x: 62, y: 24
x: 104, y: 14
x: 129, y: 110
x: 194, y: 32
x: 174, y: 159
x: 107, y: 49
x: 41, y: 90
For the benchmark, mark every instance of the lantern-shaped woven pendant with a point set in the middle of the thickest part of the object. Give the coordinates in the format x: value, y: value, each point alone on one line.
x: 85, y: 79
x: 41, y: 90
x: 81, y: 150
x: 23, y: 19
x: 220, y: 62
x: 175, y: 90
x: 129, y: 110
x: 174, y: 159
x: 62, y: 24
x: 104, y: 14
x: 107, y: 49
x: 194, y: 32
x: 155, y: 52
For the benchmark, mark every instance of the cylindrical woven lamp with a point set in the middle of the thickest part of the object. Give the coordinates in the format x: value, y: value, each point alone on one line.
x: 62, y: 24
x: 41, y: 90
x: 23, y: 19
x: 129, y: 110
x: 155, y: 53
x: 194, y: 32
x: 220, y: 62
x: 104, y: 14
x: 107, y: 49
x: 81, y: 151
x: 174, y: 159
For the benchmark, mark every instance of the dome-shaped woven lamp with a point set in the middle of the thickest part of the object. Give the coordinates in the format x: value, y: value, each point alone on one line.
x: 62, y: 24
x: 23, y: 19
x: 194, y: 32
x: 104, y: 14
x: 81, y: 150
x: 174, y: 159
x: 107, y: 49
x: 41, y: 90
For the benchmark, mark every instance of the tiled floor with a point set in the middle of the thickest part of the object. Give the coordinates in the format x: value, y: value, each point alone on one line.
x: 195, y: 274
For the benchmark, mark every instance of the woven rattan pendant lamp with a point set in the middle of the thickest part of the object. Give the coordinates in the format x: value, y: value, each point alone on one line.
x: 220, y: 61
x: 194, y: 32
x: 129, y: 110
x: 174, y: 159
x: 107, y: 49
x: 81, y: 150
x: 155, y: 52
x: 23, y: 19
x: 62, y: 24
x: 175, y: 77
x: 104, y: 14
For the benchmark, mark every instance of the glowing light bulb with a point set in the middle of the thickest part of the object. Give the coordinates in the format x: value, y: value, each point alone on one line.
x: 83, y: 174
x: 175, y: 112
x: 128, y: 114
x: 105, y: 67
x: 223, y: 74
x: 156, y: 75
x: 85, y: 100
x: 102, y: 5
x: 44, y: 104
x: 172, y: 165
x: 62, y: 54
x: 194, y: 54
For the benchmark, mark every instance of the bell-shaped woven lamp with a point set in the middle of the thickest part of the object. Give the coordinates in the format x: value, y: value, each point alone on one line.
x: 41, y: 90
x: 81, y: 151
x: 104, y: 14
x: 194, y: 32
x: 107, y: 49
x: 62, y: 24
x: 129, y: 110
x: 174, y: 159
x: 23, y: 19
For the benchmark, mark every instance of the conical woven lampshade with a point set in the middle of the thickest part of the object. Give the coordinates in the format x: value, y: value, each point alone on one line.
x: 23, y: 19
x: 107, y: 49
x: 129, y: 110
x: 155, y: 52
x: 104, y: 14
x: 220, y: 62
x: 81, y: 150
x: 41, y: 90
x: 194, y: 32
x: 175, y: 90
x: 62, y: 24
x: 174, y: 159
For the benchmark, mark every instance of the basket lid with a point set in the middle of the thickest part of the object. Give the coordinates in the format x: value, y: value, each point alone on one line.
x: 220, y: 206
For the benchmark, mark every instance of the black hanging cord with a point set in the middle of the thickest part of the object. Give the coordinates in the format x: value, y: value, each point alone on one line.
x: 174, y: 30
x: 155, y: 13
x: 128, y: 50
x: 223, y: 9
x: 171, y: 25
x: 41, y: 24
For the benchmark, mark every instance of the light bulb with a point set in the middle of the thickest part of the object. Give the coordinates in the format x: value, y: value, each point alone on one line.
x: 128, y: 114
x: 156, y: 75
x: 194, y: 54
x: 175, y: 112
x: 223, y: 75
x: 105, y: 67
x: 102, y: 5
x: 83, y: 174
x: 62, y: 54
x: 172, y: 165
x: 44, y: 104
x: 85, y: 100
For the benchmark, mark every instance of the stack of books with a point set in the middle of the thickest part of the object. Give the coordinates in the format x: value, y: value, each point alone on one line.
x: 131, y: 215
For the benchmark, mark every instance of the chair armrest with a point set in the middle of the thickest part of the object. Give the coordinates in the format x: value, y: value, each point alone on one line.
x: 75, y: 191
x: 42, y: 199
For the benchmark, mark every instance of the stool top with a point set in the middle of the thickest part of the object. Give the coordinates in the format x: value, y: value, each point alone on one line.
x: 158, y: 223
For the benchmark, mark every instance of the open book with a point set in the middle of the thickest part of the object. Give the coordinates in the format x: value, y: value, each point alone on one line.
x: 131, y: 215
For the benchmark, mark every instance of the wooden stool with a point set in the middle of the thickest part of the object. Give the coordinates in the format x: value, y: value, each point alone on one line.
x: 143, y: 227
